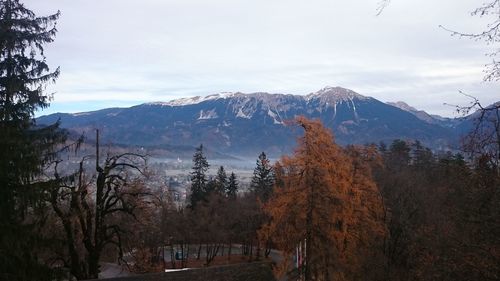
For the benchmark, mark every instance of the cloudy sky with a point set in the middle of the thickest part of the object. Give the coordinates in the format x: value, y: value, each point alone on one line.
x: 116, y: 53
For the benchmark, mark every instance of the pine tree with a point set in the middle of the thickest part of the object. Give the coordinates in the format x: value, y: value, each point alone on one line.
x: 24, y: 148
x: 198, y: 177
x: 398, y: 155
x: 232, y: 187
x: 263, y: 178
x: 422, y: 157
x: 221, y: 181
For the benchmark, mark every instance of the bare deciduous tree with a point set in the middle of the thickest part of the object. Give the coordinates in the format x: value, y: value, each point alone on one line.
x: 483, y: 140
x: 87, y: 204
x: 490, y: 34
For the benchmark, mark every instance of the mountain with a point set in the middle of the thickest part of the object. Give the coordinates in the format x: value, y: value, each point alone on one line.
x: 424, y: 116
x: 245, y: 124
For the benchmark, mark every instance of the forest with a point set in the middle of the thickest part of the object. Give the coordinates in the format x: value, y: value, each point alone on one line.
x: 395, y: 211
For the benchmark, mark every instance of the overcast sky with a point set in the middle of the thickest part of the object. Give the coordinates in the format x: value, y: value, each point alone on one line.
x: 115, y: 53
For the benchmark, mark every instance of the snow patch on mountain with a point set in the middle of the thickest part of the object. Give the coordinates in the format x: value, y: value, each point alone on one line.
x: 241, y: 114
x: 354, y: 110
x: 275, y: 117
x: 209, y: 114
x: 195, y: 100
x: 81, y: 113
x: 227, y: 139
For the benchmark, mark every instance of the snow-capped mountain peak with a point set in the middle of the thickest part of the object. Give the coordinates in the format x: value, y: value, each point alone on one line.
x: 328, y: 95
x: 335, y: 94
x: 195, y: 100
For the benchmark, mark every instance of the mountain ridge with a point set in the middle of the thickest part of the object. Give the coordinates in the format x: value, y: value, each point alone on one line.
x: 424, y: 116
x: 249, y: 123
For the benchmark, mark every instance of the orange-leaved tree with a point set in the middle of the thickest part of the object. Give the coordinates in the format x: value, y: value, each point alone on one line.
x: 324, y: 211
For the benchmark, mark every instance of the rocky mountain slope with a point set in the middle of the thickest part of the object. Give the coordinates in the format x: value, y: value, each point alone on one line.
x: 244, y: 124
x: 424, y: 116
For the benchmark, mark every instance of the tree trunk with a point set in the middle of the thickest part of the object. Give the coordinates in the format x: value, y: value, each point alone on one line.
x: 163, y: 256
x: 208, y: 249
x: 199, y: 251
x: 93, y: 262
x: 257, y: 254
x: 212, y: 250
x: 309, y: 232
x: 251, y: 251
x: 172, y: 256
x: 183, y: 259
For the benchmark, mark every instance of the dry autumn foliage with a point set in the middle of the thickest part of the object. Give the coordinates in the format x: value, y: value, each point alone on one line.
x: 326, y: 202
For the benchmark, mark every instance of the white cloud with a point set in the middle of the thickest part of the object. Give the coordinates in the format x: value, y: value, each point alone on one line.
x: 137, y: 51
